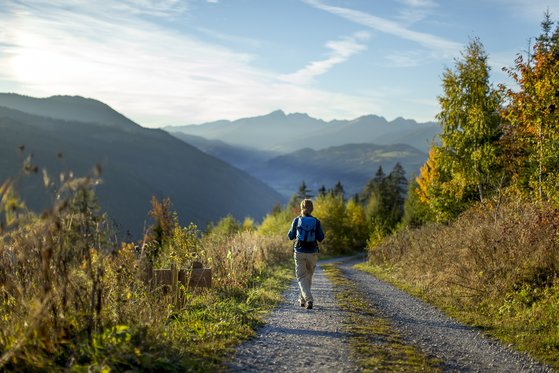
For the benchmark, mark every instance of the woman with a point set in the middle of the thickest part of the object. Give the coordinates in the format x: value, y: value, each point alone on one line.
x: 307, y: 231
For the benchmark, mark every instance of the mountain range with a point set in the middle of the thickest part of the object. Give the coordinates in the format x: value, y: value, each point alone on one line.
x: 284, y: 150
x: 70, y: 133
x: 284, y: 133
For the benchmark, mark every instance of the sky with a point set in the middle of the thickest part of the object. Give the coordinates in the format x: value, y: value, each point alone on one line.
x: 175, y: 62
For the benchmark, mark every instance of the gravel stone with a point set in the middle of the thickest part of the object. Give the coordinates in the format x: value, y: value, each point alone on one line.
x: 299, y: 340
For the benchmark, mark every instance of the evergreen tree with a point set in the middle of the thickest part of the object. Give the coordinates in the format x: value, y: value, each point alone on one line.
x: 394, y: 195
x: 416, y: 213
x: 303, y: 192
x: 339, y: 190
x: 384, y: 199
x: 375, y: 186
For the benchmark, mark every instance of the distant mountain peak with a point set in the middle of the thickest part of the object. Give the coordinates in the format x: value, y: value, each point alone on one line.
x: 299, y: 116
x: 277, y: 113
x: 371, y: 118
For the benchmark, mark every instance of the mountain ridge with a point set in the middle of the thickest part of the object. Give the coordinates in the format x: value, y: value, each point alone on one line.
x: 69, y: 108
x: 285, y: 133
x: 137, y: 164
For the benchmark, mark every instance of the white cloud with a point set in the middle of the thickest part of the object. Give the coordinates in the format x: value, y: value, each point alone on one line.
x: 154, y: 75
x: 399, y: 59
x: 340, y: 51
x: 532, y: 10
x: 251, y: 42
x: 443, y: 46
x: 419, y: 3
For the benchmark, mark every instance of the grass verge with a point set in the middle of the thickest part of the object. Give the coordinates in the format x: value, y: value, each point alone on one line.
x: 218, y: 321
x: 525, y: 318
x: 376, y: 345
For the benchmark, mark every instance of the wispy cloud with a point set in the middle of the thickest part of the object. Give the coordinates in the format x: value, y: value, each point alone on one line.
x: 443, y: 46
x: 340, y: 51
x: 153, y: 74
x: 414, y: 11
x: 397, y: 59
x: 161, y: 8
x: 419, y: 3
x: 533, y: 10
x: 254, y: 43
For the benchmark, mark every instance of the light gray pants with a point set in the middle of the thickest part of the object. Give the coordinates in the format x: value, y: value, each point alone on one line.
x: 305, y: 263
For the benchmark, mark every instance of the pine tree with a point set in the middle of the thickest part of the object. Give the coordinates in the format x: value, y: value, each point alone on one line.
x: 339, y: 189
x: 394, y: 195
x: 303, y: 192
x: 384, y: 199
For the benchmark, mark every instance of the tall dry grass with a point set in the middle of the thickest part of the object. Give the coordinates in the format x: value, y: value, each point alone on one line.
x: 74, y: 297
x: 236, y: 258
x: 491, y: 249
x: 496, y: 266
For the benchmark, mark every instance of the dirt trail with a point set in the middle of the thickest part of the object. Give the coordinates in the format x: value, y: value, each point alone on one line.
x: 296, y: 339
x: 299, y: 340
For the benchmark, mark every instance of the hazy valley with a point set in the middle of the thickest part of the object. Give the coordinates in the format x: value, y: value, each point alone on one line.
x: 284, y: 150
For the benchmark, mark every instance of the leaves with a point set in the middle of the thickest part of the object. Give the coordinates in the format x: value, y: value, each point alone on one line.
x: 531, y: 130
x: 462, y: 169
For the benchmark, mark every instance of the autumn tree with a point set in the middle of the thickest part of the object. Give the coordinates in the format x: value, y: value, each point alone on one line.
x: 464, y: 166
x: 356, y: 221
x: 331, y: 210
x: 531, y: 130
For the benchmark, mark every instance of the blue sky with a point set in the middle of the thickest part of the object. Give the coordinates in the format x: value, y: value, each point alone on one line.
x: 171, y: 62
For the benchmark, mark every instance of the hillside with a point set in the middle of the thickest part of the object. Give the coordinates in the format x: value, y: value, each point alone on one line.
x: 70, y: 108
x: 245, y: 158
x: 351, y: 164
x: 286, y: 133
x: 137, y: 163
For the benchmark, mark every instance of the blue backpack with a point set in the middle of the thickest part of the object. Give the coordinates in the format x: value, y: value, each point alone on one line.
x: 306, y: 229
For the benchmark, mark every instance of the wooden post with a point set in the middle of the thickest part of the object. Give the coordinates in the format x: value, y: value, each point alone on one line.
x: 200, y: 276
x: 174, y: 281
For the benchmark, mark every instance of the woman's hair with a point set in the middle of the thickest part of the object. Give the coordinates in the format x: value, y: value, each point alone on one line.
x: 306, y: 207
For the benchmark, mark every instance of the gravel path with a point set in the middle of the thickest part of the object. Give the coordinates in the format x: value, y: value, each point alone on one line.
x: 462, y: 348
x: 295, y: 339
x: 299, y: 340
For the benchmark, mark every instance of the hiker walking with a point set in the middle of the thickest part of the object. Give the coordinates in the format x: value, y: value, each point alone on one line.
x: 307, y: 231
